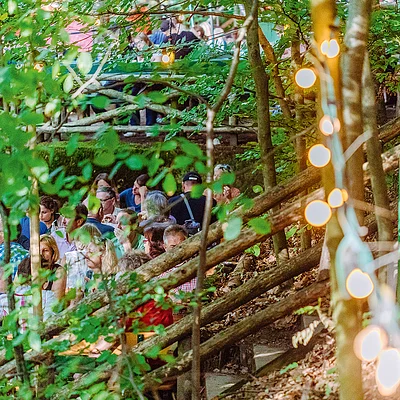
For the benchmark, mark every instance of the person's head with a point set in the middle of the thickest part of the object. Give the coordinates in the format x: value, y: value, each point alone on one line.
x: 174, y: 235
x: 24, y: 269
x: 142, y: 41
x: 101, y: 256
x: 156, y: 204
x: 86, y: 234
x: 221, y: 169
x: 199, y: 32
x: 168, y: 26
x: 103, y: 180
x: 49, y: 249
x: 48, y: 209
x: 127, y: 221
x: 108, y: 199
x: 140, y: 181
x: 132, y: 261
x: 153, y: 238
x: 81, y: 214
x: 189, y: 180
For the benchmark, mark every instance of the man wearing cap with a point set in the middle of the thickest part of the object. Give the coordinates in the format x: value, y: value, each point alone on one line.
x: 180, y: 210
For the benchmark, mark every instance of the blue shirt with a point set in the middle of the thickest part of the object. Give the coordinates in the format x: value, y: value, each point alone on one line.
x: 17, y: 254
x: 127, y: 199
x: 26, y: 226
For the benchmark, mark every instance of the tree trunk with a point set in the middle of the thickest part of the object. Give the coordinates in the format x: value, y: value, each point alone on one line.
x: 263, y: 120
x: 300, y: 142
x: 18, y: 350
x: 378, y: 180
x: 271, y: 58
x: 348, y: 313
x: 34, y: 250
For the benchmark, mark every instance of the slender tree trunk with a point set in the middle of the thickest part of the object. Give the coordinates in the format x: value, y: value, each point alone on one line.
x: 35, y: 252
x: 347, y: 313
x: 300, y: 143
x: 263, y: 119
x: 271, y: 58
x: 378, y: 179
x: 18, y: 349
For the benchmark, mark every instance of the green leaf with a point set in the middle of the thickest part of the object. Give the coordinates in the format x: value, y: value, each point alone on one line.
x: 169, y: 145
x: 84, y: 62
x: 104, y: 159
x: 134, y: 162
x: 182, y: 162
x: 100, y: 101
x: 291, y: 232
x: 288, y: 368
x: 197, y: 191
x: 73, y: 144
x: 68, y: 83
x: 232, y: 230
x: 55, y: 70
x: 157, y: 97
x: 257, y: 189
x: 192, y: 149
x: 87, y: 171
x: 153, y: 352
x: 260, y: 226
x: 169, y: 184
x: 34, y: 341
x: 31, y: 118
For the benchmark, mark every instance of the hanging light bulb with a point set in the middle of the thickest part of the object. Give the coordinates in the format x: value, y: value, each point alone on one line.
x: 336, y: 198
x: 369, y: 343
x: 305, y: 78
x: 330, y: 48
x: 359, y: 284
x: 318, y: 213
x: 388, y: 371
x: 328, y: 125
x: 319, y: 155
x: 165, y: 58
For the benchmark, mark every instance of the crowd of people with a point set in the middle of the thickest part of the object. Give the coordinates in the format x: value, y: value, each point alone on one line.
x: 107, y: 235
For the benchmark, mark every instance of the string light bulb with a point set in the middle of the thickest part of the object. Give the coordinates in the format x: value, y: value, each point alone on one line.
x: 388, y: 371
x: 359, y: 284
x: 165, y: 58
x: 330, y: 48
x: 336, y: 198
x: 319, y: 155
x: 328, y: 125
x: 369, y: 343
x: 305, y: 78
x: 318, y: 213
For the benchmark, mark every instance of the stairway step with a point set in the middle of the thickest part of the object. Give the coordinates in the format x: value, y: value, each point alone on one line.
x: 216, y: 383
x: 264, y: 354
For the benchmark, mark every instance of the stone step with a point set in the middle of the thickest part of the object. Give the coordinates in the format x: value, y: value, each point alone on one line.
x: 264, y: 354
x: 216, y: 383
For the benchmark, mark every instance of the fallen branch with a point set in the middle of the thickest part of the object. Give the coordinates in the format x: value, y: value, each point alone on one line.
x: 233, y: 334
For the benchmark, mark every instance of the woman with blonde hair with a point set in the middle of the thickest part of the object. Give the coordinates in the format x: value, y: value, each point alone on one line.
x: 101, y: 257
x: 50, y: 255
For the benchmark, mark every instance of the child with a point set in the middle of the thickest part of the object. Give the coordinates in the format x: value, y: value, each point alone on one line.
x: 174, y: 235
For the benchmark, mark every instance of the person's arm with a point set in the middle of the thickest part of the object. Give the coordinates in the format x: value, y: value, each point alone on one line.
x: 60, y: 284
x: 143, y: 192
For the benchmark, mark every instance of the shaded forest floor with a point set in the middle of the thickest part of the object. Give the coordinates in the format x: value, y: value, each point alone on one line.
x: 315, y: 376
